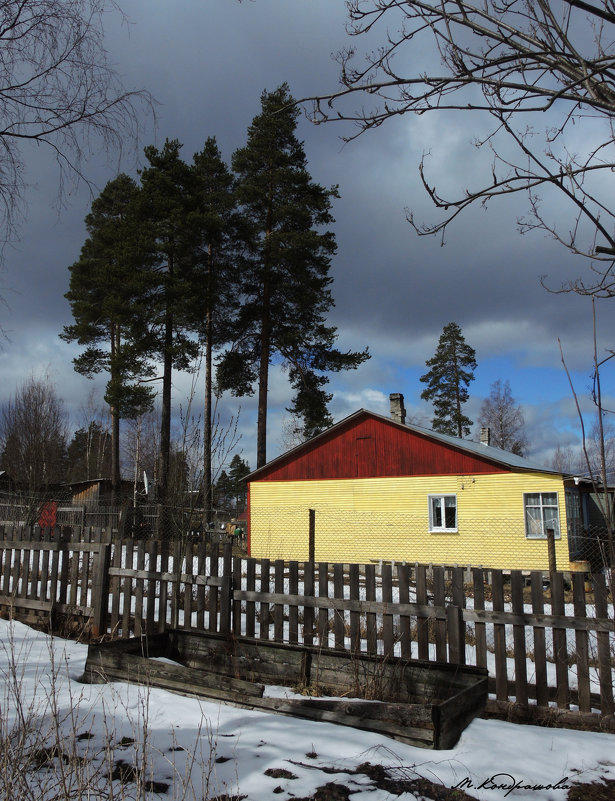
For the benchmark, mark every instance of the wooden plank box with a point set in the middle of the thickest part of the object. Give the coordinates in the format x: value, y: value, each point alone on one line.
x: 426, y: 704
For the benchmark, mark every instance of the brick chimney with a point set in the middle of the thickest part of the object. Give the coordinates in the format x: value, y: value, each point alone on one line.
x: 485, y: 436
x: 398, y: 412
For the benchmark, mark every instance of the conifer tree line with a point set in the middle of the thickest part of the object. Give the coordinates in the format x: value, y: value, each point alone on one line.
x: 199, y: 258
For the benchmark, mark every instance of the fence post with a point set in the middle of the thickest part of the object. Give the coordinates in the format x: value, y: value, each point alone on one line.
x: 312, y: 536
x: 100, y: 590
x: 551, y: 550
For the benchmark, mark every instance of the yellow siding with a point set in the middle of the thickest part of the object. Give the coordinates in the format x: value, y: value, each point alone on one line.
x: 358, y: 520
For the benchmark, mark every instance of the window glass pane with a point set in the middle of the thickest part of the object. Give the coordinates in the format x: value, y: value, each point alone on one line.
x: 551, y: 519
x: 451, y: 513
x: 534, y: 522
x: 436, y: 513
x: 549, y: 499
x: 532, y: 499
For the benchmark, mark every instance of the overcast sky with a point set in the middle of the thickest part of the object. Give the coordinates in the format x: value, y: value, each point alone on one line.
x: 207, y: 63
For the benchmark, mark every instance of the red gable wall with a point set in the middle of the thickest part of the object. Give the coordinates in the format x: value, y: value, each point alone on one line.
x: 369, y: 447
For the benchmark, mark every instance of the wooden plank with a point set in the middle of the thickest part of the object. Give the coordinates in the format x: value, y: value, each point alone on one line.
x: 237, y: 615
x: 581, y: 642
x: 163, y: 601
x: 75, y: 572
x: 499, y: 637
x: 55, y: 568
x: 387, y: 619
x: 607, y: 707
x: 339, y: 631
x: 308, y: 609
x: 24, y: 574
x: 293, y: 609
x: 187, y: 594
x: 371, y: 623
x: 405, y: 631
x: 422, y: 623
x: 55, y: 545
x: 544, y: 621
x: 128, y: 547
x: 6, y: 570
x: 34, y: 575
x: 323, y: 612
x: 25, y: 603
x: 355, y: 616
x: 226, y: 589
x: 63, y: 578
x: 278, y: 609
x: 100, y: 590
x: 480, y: 632
x: 152, y: 586
x: 44, y: 591
x: 16, y: 572
x: 83, y: 574
x: 459, y: 600
x: 212, y: 606
x: 439, y: 599
x: 139, y: 616
x: 540, y: 650
x: 263, y: 614
x: 520, y: 655
x: 201, y: 563
x: 114, y: 589
x: 560, y: 651
x: 454, y: 627
x: 250, y: 604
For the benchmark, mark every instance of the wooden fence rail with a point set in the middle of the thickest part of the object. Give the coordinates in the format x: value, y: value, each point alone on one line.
x: 551, y: 649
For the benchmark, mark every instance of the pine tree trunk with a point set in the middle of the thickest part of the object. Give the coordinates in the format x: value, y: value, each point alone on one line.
x: 207, y: 493
x: 265, y: 345
x: 165, y: 415
x: 115, y: 422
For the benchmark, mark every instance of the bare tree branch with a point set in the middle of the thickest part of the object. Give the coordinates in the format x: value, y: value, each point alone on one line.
x: 535, y: 68
x: 58, y: 89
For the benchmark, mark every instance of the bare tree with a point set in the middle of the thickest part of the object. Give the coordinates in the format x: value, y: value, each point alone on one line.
x: 33, y: 435
x: 519, y: 64
x: 57, y: 89
x: 504, y: 418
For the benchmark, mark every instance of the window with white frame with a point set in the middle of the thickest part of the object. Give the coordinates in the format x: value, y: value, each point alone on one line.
x: 541, y: 513
x: 443, y: 513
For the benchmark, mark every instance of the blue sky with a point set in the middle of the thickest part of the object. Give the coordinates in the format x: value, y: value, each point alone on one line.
x: 207, y: 64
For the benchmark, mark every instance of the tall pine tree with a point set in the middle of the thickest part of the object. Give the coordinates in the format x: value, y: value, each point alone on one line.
x: 216, y: 275
x: 106, y: 296
x: 166, y: 202
x: 452, y: 369
x: 286, y: 284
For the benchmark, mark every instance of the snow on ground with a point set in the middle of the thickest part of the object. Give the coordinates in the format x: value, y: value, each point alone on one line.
x: 206, y: 750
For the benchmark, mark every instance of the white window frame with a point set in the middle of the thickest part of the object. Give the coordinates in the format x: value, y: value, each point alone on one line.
x: 441, y: 529
x: 541, y: 505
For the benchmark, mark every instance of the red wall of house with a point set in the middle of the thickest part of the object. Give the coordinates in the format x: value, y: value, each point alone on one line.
x: 369, y: 447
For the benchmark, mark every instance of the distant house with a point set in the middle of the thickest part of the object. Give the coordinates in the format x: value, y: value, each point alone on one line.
x: 97, y: 491
x: 381, y: 489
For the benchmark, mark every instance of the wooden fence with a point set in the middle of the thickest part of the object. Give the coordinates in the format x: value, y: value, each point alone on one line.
x: 550, y: 650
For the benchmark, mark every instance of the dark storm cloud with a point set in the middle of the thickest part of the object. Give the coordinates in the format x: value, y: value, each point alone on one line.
x: 207, y: 64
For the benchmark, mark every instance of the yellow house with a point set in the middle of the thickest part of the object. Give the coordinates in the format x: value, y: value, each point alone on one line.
x: 372, y: 488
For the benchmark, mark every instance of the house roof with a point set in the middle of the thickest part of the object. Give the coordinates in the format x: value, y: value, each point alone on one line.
x: 496, y: 455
